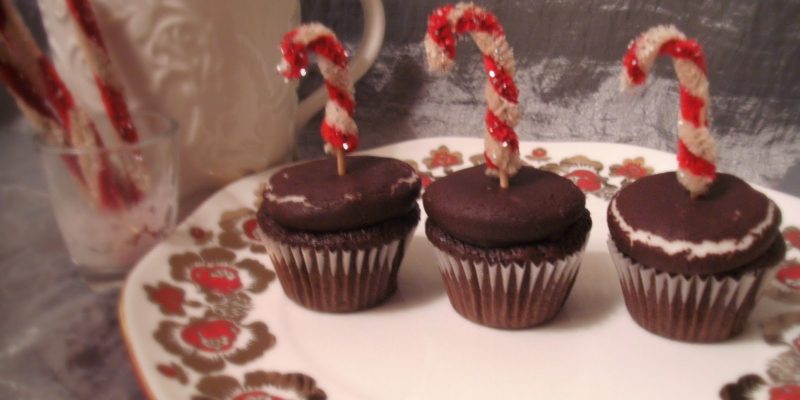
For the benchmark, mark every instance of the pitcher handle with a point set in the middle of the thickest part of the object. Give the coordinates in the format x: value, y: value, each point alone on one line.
x: 365, y: 55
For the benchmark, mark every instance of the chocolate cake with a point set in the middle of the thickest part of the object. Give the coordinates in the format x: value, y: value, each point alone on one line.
x: 337, y: 241
x: 508, y: 257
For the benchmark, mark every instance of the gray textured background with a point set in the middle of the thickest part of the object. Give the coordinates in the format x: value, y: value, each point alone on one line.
x: 568, y: 55
x: 59, y: 340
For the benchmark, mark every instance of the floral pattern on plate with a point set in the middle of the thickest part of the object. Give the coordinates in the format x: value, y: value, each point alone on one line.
x: 782, y: 378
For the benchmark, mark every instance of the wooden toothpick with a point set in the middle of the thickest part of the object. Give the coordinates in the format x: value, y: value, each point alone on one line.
x: 341, y: 167
x: 503, y: 179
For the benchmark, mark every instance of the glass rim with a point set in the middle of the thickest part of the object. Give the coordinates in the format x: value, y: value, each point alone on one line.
x: 169, y: 131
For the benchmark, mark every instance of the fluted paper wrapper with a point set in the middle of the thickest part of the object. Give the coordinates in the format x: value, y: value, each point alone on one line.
x: 687, y: 308
x: 512, y: 296
x: 338, y: 280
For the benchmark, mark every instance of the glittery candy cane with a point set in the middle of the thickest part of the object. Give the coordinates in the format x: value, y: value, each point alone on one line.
x: 338, y: 128
x: 696, y: 149
x: 444, y: 24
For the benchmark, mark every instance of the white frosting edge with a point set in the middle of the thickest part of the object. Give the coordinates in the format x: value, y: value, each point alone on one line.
x: 409, y: 180
x: 695, y: 250
x: 273, y: 198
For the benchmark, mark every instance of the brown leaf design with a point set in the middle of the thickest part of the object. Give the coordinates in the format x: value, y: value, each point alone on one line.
x: 232, y: 240
x: 164, y: 336
x: 180, y: 263
x: 772, y: 328
x: 232, y: 235
x: 170, y: 299
x: 218, y: 254
x: 262, y: 276
x: 302, y: 384
x: 263, y: 340
x: 218, y: 387
x: 203, y: 364
x: 742, y: 388
x: 173, y: 371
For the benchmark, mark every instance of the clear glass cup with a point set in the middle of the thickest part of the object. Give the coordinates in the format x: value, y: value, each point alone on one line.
x: 113, y: 204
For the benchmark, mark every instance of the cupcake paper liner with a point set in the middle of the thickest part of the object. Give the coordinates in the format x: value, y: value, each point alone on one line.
x: 338, y: 280
x: 508, y: 296
x: 687, y: 308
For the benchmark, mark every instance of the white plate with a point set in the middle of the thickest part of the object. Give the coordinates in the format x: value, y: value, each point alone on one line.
x: 415, y: 346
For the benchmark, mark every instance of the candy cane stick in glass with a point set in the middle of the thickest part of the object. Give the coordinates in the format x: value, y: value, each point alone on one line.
x: 338, y: 127
x: 109, y: 85
x: 444, y: 26
x: 47, y: 102
x: 696, y: 149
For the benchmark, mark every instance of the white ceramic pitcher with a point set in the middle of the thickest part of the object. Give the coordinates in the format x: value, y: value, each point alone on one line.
x: 210, y: 64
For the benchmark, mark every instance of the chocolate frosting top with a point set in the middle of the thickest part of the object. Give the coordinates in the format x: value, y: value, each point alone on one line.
x: 313, y: 197
x: 659, y: 225
x: 472, y: 207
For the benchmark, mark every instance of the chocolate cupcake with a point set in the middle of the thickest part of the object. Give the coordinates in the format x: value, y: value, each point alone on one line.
x: 337, y: 229
x: 510, y: 238
x: 337, y: 242
x: 691, y: 247
x: 690, y: 269
x: 508, y: 257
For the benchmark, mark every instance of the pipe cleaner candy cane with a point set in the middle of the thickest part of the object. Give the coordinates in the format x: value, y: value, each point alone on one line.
x: 696, y: 149
x: 109, y: 85
x: 46, y: 101
x: 338, y: 128
x: 444, y: 24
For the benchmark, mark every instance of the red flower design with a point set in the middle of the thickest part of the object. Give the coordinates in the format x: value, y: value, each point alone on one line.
x: 240, y: 230
x: 217, y: 278
x: 585, y: 179
x: 205, y: 344
x: 539, y: 153
x: 792, y: 235
x: 170, y: 299
x: 786, y: 392
x: 442, y: 157
x: 217, y: 271
x: 789, y: 275
x: 214, y: 335
x: 631, y: 168
x: 585, y: 174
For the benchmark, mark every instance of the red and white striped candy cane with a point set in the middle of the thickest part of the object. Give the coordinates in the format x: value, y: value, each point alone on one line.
x: 696, y: 149
x: 338, y: 129
x: 444, y: 24
x: 109, y: 85
x: 46, y: 101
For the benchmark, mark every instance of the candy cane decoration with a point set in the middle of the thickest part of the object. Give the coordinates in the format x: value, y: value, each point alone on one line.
x: 444, y: 24
x: 29, y: 94
x: 338, y: 128
x: 696, y: 149
x: 47, y: 102
x: 109, y: 85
